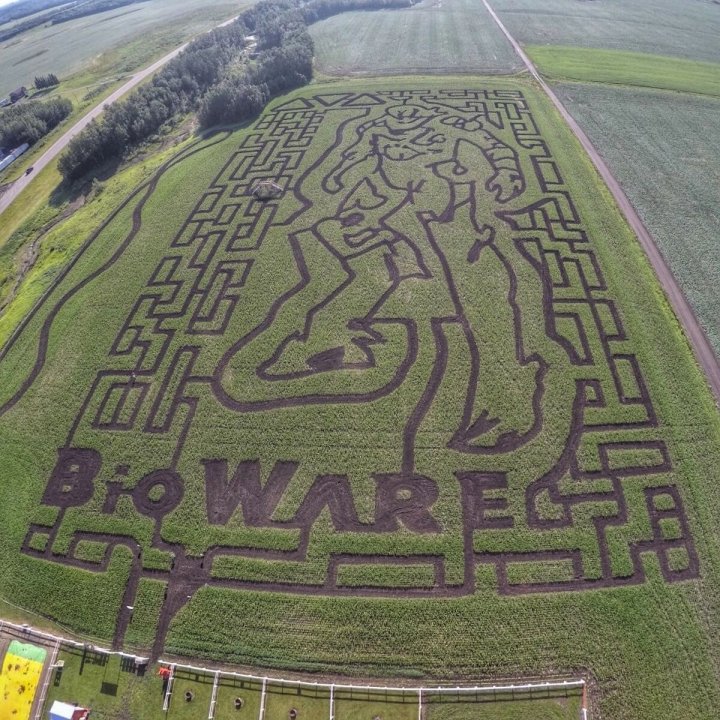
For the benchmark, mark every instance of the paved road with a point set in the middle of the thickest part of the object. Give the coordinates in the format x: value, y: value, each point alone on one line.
x: 696, y: 336
x: 49, y: 155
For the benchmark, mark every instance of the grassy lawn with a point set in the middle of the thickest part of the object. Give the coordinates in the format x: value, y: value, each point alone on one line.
x: 562, y: 708
x: 435, y: 36
x: 104, y: 684
x: 231, y: 690
x: 30, y: 202
x: 187, y: 365
x: 618, y: 67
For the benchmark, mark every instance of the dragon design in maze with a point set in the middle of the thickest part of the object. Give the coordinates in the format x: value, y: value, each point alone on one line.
x: 426, y: 256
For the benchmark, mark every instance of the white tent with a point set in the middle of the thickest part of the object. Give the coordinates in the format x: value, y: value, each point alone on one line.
x: 63, y: 711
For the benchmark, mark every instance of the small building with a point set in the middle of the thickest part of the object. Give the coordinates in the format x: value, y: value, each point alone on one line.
x: 64, y: 711
x: 9, y: 159
x: 18, y: 151
x: 18, y: 94
x: 266, y: 190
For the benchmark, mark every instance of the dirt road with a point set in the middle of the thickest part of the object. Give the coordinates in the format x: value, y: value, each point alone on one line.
x: 699, y: 342
x: 56, y: 148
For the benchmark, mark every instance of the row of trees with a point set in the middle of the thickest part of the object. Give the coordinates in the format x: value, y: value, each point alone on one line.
x: 177, y: 88
x: 320, y: 9
x: 210, y: 63
x: 16, y: 10
x: 89, y: 7
x: 283, y: 61
x: 216, y: 77
x: 46, y: 81
x: 29, y: 122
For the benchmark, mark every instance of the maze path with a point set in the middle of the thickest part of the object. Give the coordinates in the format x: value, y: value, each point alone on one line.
x: 483, y: 166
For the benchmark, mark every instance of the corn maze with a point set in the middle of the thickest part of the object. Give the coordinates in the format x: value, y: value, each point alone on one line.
x: 403, y: 378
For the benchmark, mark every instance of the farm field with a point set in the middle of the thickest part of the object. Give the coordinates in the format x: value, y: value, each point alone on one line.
x: 409, y: 418
x: 132, y: 35
x: 658, y: 27
x: 616, y: 67
x: 664, y: 149
x: 434, y: 36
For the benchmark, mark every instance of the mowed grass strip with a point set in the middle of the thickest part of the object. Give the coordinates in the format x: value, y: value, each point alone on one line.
x: 618, y: 67
x: 432, y: 37
x: 560, y: 707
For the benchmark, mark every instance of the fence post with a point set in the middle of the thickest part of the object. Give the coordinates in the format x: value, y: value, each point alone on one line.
x: 332, y: 702
x: 262, y: 699
x: 213, y: 699
x: 419, y: 703
x: 168, y: 689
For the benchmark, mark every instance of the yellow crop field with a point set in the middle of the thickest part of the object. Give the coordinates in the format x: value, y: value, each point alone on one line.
x: 21, y: 672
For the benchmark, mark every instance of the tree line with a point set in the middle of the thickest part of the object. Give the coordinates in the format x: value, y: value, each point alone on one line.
x: 29, y: 122
x: 320, y: 9
x: 18, y: 10
x: 212, y: 61
x: 46, y: 81
x: 283, y: 61
x: 90, y: 7
x: 218, y: 76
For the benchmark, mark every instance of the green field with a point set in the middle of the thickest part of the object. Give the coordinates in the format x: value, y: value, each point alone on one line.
x: 428, y: 379
x: 664, y: 149
x: 435, y: 36
x: 100, y: 47
x: 658, y: 27
x: 615, y: 67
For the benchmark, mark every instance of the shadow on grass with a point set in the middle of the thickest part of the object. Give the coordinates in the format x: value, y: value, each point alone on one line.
x: 69, y: 191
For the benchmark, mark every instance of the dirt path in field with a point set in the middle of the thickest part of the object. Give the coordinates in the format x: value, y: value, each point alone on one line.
x: 704, y: 353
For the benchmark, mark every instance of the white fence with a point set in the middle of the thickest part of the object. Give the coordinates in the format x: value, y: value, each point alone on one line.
x: 266, y: 682
x: 421, y: 693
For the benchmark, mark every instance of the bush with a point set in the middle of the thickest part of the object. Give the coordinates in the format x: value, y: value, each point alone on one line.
x: 29, y: 122
x: 46, y: 81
